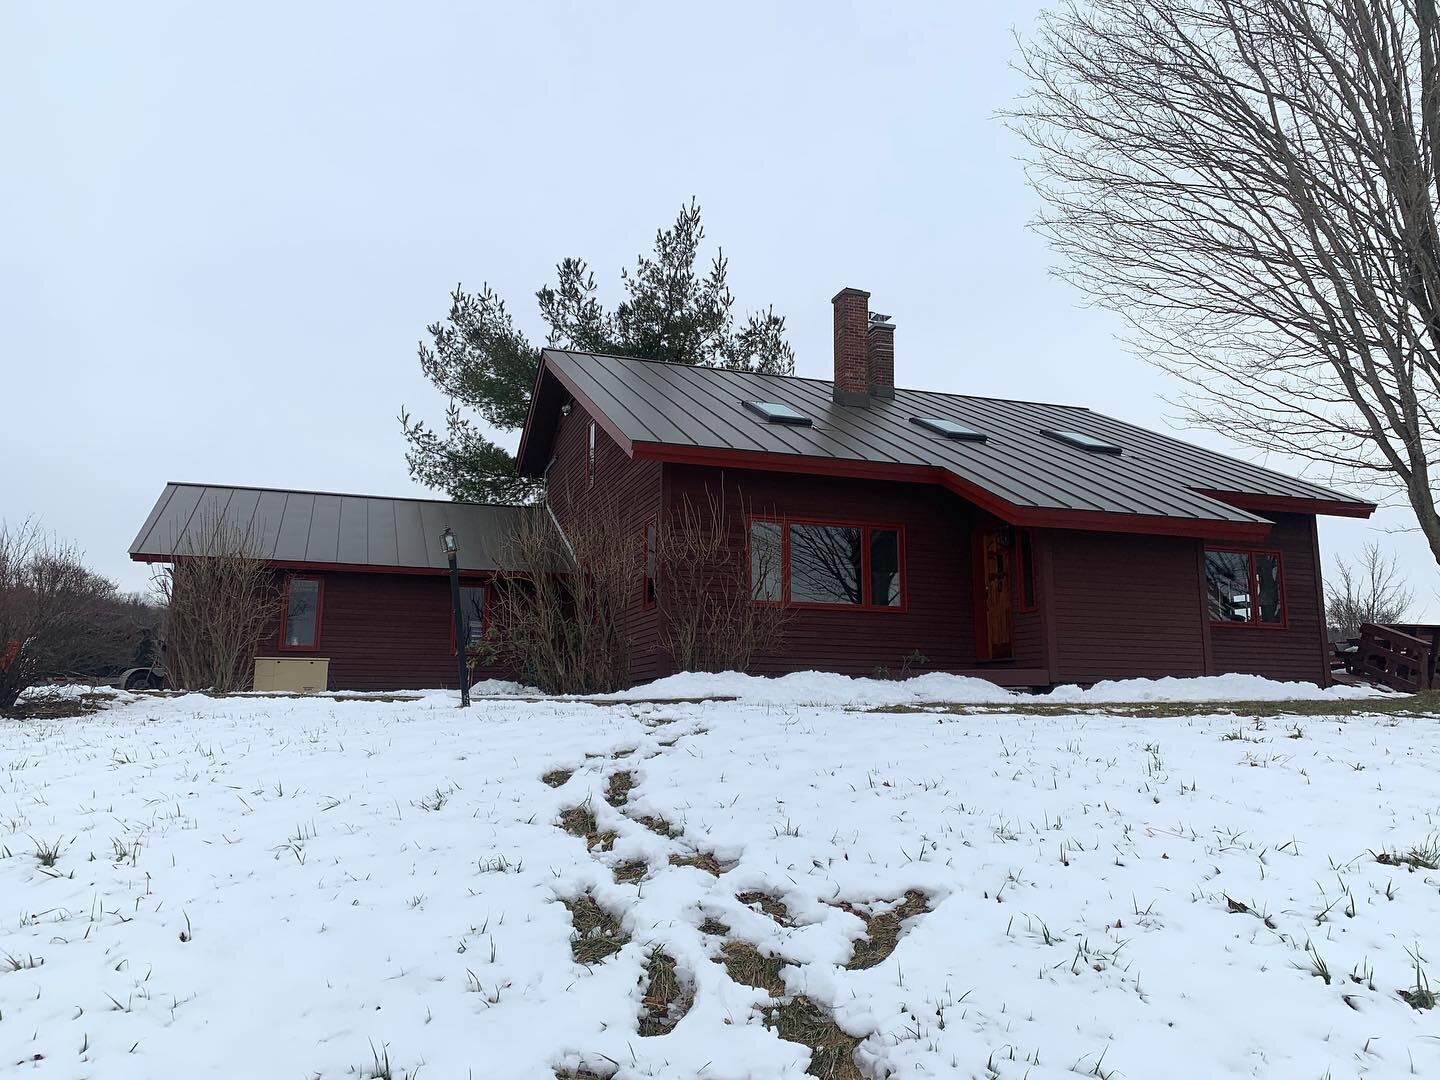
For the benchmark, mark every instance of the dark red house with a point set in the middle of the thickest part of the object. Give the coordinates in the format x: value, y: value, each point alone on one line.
x: 363, y: 580
x: 1027, y: 543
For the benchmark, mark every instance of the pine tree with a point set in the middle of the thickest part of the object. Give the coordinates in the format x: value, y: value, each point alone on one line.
x: 486, y: 366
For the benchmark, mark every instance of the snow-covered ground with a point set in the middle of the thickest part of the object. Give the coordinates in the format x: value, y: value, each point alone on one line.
x: 311, y: 887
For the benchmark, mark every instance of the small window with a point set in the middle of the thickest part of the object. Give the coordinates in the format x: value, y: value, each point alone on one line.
x: 1085, y: 442
x: 472, y: 613
x: 778, y: 414
x: 648, y: 597
x: 1025, y: 566
x: 590, y: 457
x: 1244, y: 587
x: 949, y: 429
x: 885, y: 567
x: 301, y: 614
x: 765, y: 561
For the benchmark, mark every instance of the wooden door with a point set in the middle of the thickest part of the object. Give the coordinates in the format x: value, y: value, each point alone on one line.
x: 994, y: 622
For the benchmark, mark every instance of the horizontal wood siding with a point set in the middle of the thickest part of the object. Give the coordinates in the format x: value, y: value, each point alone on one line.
x: 938, y: 620
x: 623, y: 485
x: 1297, y: 651
x: 384, y: 632
x: 1124, y: 606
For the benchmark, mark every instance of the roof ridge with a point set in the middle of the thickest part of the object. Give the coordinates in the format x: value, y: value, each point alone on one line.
x: 815, y: 379
x: 342, y: 494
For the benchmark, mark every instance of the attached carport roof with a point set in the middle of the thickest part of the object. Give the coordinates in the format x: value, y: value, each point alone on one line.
x: 319, y: 530
x: 1020, y: 472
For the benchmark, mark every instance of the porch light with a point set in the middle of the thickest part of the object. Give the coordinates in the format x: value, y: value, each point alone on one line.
x: 447, y: 540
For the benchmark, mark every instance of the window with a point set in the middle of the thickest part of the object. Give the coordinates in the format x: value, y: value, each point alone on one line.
x: 300, y: 614
x: 648, y: 598
x: 590, y: 457
x: 1025, y: 568
x: 776, y: 413
x: 765, y: 561
x: 948, y: 428
x: 1244, y: 587
x: 826, y: 564
x: 472, y: 613
x: 1085, y: 442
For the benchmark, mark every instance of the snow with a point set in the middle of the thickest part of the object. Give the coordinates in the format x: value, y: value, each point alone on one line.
x: 260, y: 887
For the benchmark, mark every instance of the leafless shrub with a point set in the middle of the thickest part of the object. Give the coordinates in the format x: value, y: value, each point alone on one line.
x: 1369, y: 590
x: 48, y: 603
x: 711, y: 621
x: 220, y: 600
x: 561, y: 606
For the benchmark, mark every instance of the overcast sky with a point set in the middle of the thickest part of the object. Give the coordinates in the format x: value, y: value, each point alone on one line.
x: 223, y: 228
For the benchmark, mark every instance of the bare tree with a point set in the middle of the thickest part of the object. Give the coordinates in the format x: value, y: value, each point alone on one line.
x: 709, y: 587
x: 1370, y: 590
x: 1252, y: 183
x: 48, y: 606
x: 220, y: 599
x: 559, y: 614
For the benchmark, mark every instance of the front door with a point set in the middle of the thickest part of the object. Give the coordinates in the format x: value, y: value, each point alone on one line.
x: 994, y: 626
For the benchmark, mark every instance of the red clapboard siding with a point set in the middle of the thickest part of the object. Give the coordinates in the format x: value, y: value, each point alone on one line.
x: 384, y: 632
x: 1124, y: 606
x: 938, y: 618
x: 632, y: 487
x: 1298, y: 650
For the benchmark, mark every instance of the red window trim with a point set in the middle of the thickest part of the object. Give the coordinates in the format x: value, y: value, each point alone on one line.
x: 1024, y: 538
x: 866, y: 528
x: 649, y: 575
x: 474, y: 583
x: 1252, y: 623
x: 319, y: 612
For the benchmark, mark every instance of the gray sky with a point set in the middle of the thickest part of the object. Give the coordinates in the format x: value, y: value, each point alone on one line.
x: 223, y: 228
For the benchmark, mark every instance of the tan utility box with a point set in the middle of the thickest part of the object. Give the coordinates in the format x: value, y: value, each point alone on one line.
x: 299, y: 675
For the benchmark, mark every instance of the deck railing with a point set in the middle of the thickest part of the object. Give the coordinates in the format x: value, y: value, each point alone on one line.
x: 1400, y: 656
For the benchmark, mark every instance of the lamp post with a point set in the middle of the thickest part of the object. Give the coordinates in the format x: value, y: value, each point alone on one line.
x: 452, y: 550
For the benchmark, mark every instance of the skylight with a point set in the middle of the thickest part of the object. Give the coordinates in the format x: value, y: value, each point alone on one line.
x: 948, y: 428
x: 1085, y: 442
x: 776, y: 413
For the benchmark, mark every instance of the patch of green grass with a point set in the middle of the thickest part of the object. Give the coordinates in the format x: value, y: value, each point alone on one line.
x: 1420, y: 996
x: 770, y: 905
x: 832, y: 1052
x: 1425, y: 856
x: 666, y: 999
x: 1426, y: 703
x: 746, y: 964
x: 48, y: 854
x: 882, y: 932
x: 701, y: 860
x: 598, y: 934
x: 617, y: 792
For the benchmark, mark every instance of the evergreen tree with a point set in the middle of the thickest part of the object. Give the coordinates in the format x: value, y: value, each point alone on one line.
x: 486, y: 366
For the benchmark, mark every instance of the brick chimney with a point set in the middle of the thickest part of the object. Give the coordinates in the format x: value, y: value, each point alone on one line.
x: 880, y: 343
x: 852, y: 350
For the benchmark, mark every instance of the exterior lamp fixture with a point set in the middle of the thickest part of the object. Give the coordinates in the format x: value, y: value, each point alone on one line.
x: 452, y: 552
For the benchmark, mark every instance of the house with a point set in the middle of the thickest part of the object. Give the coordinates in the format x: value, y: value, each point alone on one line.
x: 1027, y: 543
x: 363, y: 581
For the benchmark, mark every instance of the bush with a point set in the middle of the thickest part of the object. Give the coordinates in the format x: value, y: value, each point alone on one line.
x: 711, y: 622
x: 560, y: 609
x: 49, y: 604
x: 220, y: 600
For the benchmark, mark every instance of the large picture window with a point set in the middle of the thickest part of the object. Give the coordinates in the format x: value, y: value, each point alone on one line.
x: 1244, y: 587
x: 826, y: 564
x: 300, y: 617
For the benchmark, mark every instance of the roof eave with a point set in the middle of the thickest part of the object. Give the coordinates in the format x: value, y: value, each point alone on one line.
x: 1026, y: 516
x: 1286, y: 504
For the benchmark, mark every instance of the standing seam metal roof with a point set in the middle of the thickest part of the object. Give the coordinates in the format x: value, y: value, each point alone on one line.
x: 324, y: 528
x: 1154, y: 475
